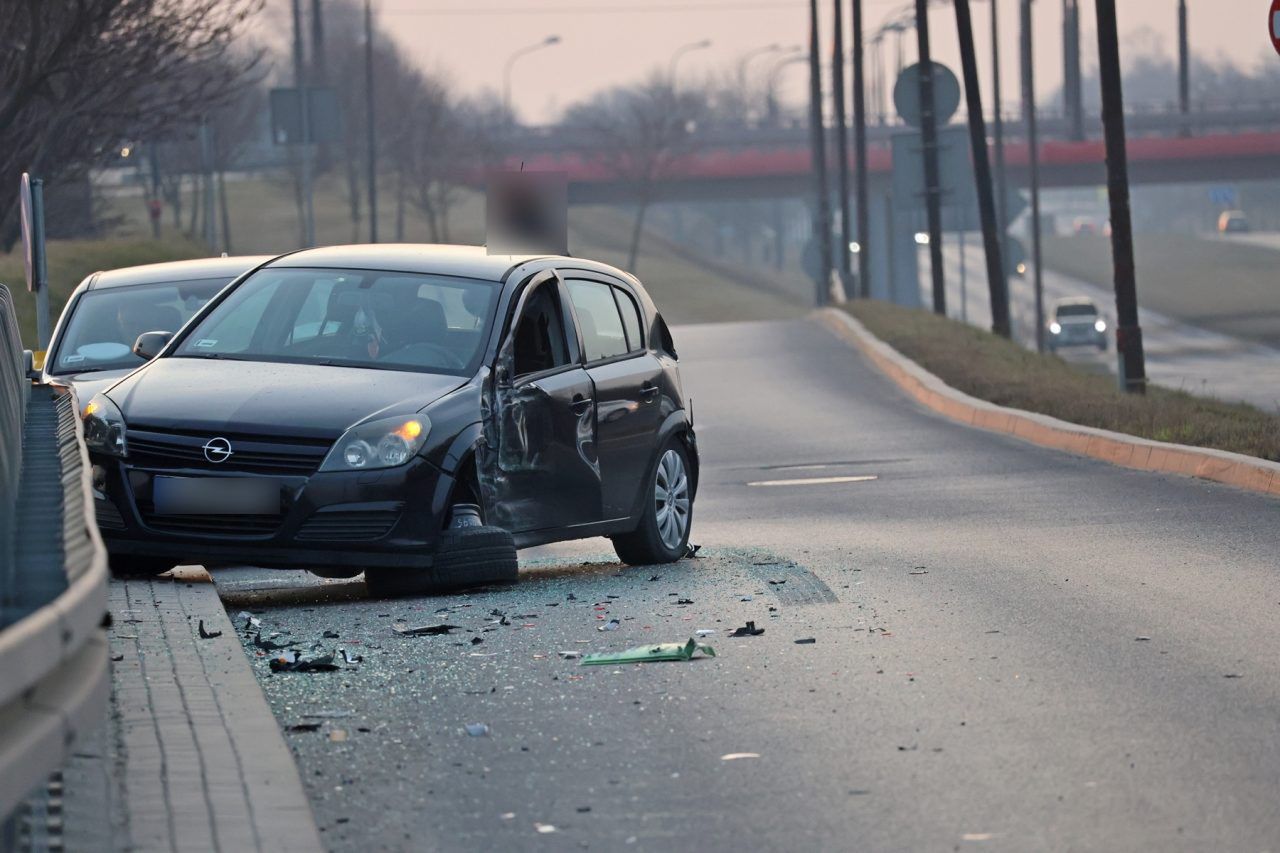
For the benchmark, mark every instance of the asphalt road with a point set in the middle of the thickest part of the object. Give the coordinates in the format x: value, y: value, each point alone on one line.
x: 1179, y: 354
x: 1015, y: 649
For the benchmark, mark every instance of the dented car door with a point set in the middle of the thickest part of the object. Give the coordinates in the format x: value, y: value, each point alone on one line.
x: 538, y: 465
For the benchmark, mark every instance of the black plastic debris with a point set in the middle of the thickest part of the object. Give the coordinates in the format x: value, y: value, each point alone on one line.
x: 475, y: 641
x: 208, y: 635
x: 611, y: 625
x: 684, y: 601
x: 290, y: 661
x: 778, y: 582
x: 117, y: 658
x: 330, y: 635
x: 349, y: 658
x: 692, y: 551
x: 748, y: 630
x: 806, y: 641
x: 268, y: 645
x: 655, y: 578
x: 305, y: 727
x: 250, y: 621
x: 425, y: 630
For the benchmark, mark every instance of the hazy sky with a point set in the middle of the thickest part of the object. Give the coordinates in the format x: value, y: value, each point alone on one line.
x: 614, y: 41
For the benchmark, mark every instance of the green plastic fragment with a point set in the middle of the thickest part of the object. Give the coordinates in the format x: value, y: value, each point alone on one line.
x: 651, y: 654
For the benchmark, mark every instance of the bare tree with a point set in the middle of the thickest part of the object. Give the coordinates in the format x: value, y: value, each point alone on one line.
x: 639, y: 132
x: 78, y: 76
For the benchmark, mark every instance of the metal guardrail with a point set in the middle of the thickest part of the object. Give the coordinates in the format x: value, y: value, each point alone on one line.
x: 53, y: 578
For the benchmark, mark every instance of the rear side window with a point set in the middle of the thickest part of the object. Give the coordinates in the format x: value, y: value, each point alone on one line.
x: 630, y: 319
x: 598, y: 319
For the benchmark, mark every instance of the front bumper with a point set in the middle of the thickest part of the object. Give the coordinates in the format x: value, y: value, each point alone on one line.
x: 348, y: 519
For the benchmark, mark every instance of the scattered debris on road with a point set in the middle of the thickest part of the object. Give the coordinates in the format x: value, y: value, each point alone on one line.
x: 348, y: 658
x: 477, y: 729
x: 424, y: 630
x: 651, y: 654
x: 919, y: 570
x: 611, y: 625
x: 544, y: 828
x: 735, y: 756
x: 304, y: 727
x: 291, y: 661
x: 571, y: 655
x: 208, y: 635
x: 748, y: 630
x: 1141, y: 639
x: 806, y: 641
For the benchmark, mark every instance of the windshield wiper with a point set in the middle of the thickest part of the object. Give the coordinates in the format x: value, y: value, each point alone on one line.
x: 212, y: 356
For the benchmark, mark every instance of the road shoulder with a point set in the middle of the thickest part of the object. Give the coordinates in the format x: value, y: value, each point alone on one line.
x: 203, y: 763
x: 1233, y: 469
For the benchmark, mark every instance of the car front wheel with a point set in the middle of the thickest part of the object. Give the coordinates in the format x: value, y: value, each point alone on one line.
x: 663, y: 533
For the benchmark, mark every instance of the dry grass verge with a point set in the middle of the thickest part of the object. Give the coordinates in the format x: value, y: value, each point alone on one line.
x: 993, y: 369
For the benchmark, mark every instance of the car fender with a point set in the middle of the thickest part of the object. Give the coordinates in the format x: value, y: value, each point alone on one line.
x: 675, y: 423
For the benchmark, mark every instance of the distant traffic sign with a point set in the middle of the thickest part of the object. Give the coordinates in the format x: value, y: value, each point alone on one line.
x: 1273, y: 24
x: 946, y: 94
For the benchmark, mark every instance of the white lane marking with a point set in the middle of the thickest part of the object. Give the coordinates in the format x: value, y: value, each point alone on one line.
x: 815, y: 481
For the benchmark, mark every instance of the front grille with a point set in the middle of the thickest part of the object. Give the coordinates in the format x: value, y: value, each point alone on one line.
x: 172, y: 450
x: 348, y: 525
x: 108, y: 515
x: 238, y: 526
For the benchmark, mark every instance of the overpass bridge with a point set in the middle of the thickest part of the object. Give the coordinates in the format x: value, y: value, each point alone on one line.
x: 763, y: 164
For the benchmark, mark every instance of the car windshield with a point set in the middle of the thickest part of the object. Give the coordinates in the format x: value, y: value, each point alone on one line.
x: 104, y: 323
x: 355, y: 318
x: 1085, y: 310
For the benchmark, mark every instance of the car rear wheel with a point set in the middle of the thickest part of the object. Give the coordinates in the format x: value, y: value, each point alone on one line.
x: 465, y: 557
x: 663, y: 533
x: 129, y: 566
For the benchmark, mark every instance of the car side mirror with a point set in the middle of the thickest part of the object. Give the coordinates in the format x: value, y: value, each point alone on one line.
x: 29, y: 365
x: 149, y: 344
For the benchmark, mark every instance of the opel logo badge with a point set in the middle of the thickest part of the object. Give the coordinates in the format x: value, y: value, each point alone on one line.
x: 217, y: 450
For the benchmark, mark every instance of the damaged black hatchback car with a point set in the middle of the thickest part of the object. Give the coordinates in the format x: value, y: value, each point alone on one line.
x: 413, y: 412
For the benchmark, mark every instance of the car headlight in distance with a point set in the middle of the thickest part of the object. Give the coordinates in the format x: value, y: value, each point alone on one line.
x: 1100, y: 325
x: 1055, y: 328
x: 104, y: 426
x: 384, y: 443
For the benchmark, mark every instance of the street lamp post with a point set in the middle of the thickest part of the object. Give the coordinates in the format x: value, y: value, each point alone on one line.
x: 680, y: 52
x: 771, y: 91
x: 746, y: 58
x: 511, y: 61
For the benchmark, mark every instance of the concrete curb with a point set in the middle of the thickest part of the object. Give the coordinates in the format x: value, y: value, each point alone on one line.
x: 1233, y: 469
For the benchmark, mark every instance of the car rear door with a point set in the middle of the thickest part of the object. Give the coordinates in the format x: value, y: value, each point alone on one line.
x: 538, y: 466
x: 628, y: 385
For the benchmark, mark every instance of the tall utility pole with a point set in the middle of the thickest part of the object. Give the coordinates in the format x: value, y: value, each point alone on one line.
x: 370, y: 127
x: 1184, y: 68
x: 304, y: 111
x: 1072, y: 105
x: 822, y: 215
x: 860, y: 153
x: 929, y: 141
x: 1002, y: 189
x: 996, y: 282
x: 1033, y: 162
x: 1132, y: 367
x: 319, y: 71
x: 842, y: 147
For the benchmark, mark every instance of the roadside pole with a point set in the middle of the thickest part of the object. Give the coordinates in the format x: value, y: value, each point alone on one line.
x: 860, y: 153
x: 842, y: 147
x: 1002, y: 188
x: 822, y: 217
x: 371, y: 133
x: 1132, y: 367
x: 304, y: 111
x: 1033, y: 162
x: 31, y: 209
x: 996, y: 281
x: 929, y: 141
x: 1184, y: 69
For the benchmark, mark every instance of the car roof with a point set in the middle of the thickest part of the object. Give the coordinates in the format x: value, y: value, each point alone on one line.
x: 1076, y: 300
x: 190, y: 270
x: 440, y: 259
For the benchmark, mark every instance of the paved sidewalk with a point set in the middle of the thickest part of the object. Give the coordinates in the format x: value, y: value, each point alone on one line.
x: 199, y: 757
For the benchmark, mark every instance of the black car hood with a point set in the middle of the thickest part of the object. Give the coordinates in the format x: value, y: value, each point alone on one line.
x: 267, y: 398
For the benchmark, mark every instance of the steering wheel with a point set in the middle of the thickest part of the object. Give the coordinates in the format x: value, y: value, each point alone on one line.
x: 446, y: 357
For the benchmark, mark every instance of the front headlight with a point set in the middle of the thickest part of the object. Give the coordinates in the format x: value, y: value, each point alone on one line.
x: 104, y: 426
x: 1100, y: 325
x: 384, y: 443
x: 1055, y: 328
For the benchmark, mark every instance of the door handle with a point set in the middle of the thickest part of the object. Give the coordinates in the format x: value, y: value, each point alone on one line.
x: 580, y: 404
x: 648, y: 390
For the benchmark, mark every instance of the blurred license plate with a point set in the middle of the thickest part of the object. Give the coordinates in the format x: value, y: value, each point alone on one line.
x: 215, y: 496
